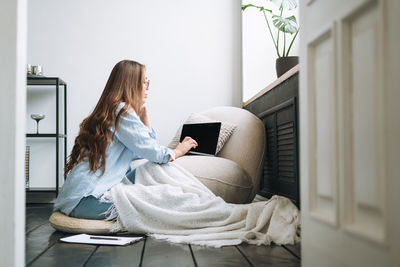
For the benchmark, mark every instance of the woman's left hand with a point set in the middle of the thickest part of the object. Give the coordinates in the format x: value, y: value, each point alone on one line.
x: 142, y: 111
x: 144, y: 117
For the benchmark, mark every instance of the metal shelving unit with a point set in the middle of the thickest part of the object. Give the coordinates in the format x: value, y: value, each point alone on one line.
x: 33, y: 80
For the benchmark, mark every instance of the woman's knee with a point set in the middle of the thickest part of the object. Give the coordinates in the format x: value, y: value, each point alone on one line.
x: 90, y: 208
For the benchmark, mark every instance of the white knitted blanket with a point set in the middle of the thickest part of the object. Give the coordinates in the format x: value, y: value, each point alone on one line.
x: 168, y: 202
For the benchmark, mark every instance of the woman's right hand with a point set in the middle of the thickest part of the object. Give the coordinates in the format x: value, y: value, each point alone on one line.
x: 183, y: 147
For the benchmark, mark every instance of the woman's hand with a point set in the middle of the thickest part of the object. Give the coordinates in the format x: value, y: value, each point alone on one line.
x: 183, y: 147
x: 144, y: 117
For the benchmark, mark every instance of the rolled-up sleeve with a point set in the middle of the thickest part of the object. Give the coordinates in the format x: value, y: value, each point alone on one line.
x: 140, y: 140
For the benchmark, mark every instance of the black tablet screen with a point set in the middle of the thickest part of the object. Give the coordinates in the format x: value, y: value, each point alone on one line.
x: 206, y: 135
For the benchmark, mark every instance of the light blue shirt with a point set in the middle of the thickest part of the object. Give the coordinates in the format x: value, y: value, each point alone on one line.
x: 132, y: 140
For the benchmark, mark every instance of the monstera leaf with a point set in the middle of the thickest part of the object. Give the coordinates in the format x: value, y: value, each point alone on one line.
x: 287, y: 25
x: 261, y: 8
x: 285, y: 4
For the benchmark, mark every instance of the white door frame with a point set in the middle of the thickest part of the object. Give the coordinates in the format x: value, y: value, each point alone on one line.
x: 349, y: 130
x: 13, y: 44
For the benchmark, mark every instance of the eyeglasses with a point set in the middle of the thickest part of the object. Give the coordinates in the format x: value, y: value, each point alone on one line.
x: 147, y: 83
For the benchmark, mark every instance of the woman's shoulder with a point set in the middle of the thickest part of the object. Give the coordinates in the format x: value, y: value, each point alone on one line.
x: 129, y: 117
x: 129, y: 110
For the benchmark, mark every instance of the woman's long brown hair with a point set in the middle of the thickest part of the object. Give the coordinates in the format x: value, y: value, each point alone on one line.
x: 125, y: 84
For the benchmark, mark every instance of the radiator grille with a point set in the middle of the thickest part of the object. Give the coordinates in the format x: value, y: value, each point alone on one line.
x: 281, y: 165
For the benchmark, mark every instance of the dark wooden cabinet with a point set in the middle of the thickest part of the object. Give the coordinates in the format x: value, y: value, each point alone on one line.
x: 277, y: 107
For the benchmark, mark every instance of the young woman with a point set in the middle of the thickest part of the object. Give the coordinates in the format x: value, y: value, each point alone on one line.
x: 117, y: 131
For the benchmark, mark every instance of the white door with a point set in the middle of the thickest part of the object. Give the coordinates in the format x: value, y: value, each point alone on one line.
x: 350, y: 132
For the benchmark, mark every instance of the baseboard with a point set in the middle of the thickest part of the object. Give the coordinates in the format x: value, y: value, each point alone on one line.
x: 40, y: 197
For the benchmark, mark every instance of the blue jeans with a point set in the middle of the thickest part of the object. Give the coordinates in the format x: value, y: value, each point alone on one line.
x: 91, y: 208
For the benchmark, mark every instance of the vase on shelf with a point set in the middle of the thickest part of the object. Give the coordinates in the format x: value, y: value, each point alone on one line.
x: 283, y: 64
x: 37, y: 118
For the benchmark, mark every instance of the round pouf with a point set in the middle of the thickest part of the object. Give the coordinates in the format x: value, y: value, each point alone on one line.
x: 64, y: 223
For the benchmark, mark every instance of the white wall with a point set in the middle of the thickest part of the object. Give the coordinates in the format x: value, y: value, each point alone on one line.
x: 12, y: 131
x: 192, y: 50
x: 259, y: 53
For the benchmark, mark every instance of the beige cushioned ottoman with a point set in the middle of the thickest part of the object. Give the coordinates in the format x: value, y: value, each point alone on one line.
x: 234, y: 173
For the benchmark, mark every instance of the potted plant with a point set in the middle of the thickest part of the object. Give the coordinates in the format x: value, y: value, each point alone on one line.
x: 285, y: 26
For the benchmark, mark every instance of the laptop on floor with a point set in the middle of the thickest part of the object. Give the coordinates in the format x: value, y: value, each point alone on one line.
x: 206, y: 136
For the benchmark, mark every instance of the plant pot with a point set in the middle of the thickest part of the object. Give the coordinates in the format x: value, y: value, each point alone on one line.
x: 283, y: 64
